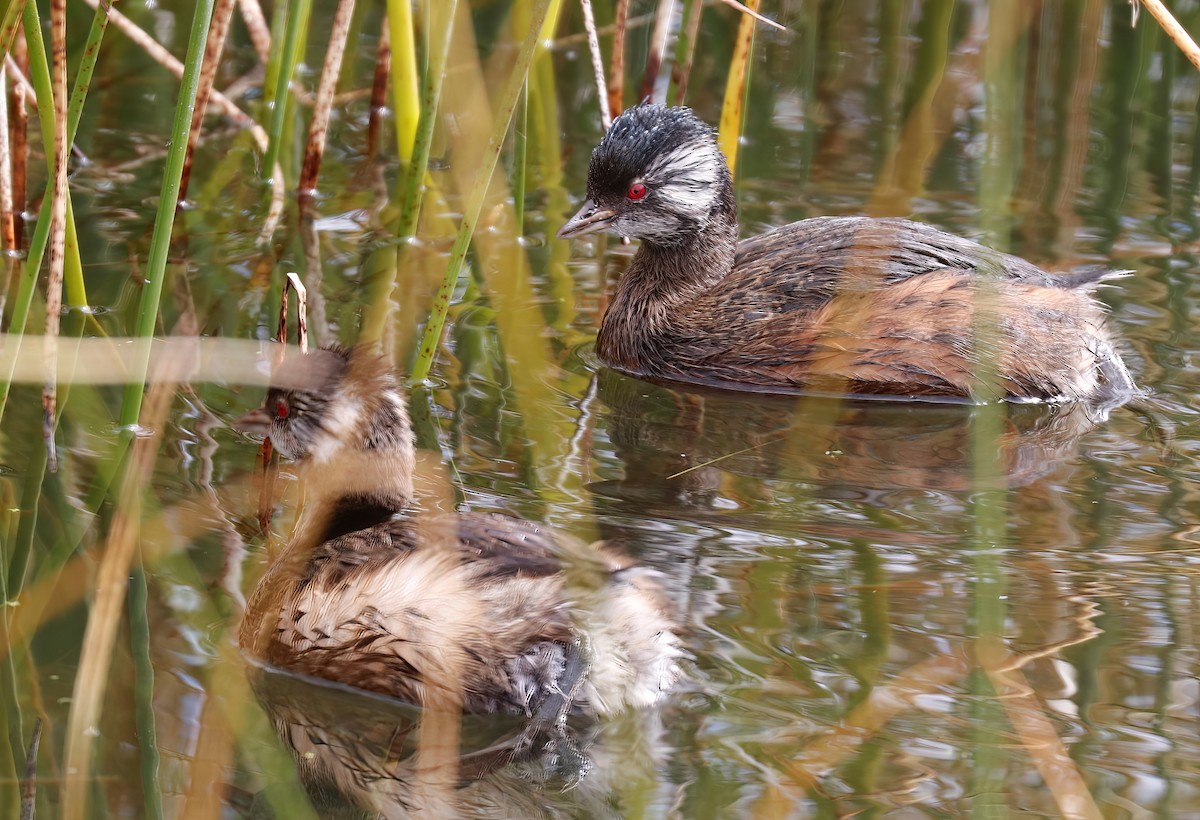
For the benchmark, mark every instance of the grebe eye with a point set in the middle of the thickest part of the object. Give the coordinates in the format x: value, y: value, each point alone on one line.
x: 281, y: 409
x: 636, y: 191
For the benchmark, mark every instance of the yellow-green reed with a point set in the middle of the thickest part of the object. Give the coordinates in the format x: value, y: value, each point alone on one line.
x: 474, y: 204
x: 413, y: 144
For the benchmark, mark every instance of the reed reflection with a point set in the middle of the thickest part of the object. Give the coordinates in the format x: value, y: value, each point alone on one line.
x: 677, y: 445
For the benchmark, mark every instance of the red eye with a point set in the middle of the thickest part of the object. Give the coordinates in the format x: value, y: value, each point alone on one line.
x: 281, y: 409
x: 636, y: 191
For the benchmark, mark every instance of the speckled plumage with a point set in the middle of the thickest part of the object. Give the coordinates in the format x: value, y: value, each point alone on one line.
x: 467, y: 608
x: 843, y: 304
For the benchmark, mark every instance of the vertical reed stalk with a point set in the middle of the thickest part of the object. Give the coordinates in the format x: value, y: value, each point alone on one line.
x: 8, y: 228
x: 685, y: 52
x: 503, y: 118
x: 256, y: 25
x: 733, y: 108
x: 294, y: 30
x: 111, y: 582
x: 164, y: 221
x: 616, y: 65
x: 58, y: 225
x: 143, y: 692
x: 379, y: 83
x: 593, y: 41
x: 405, y: 106
x: 222, y: 15
x: 18, y: 138
x: 658, y: 46
x: 417, y: 161
x: 29, y: 786
x: 328, y: 84
x: 10, y: 24
x: 520, y: 158
x: 40, y: 74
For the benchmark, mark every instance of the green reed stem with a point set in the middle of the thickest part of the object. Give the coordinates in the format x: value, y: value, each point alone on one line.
x: 271, y: 78
x: 293, y: 36
x: 39, y: 70
x: 164, y: 220
x: 520, y: 160
x: 143, y: 691
x: 504, y: 115
x: 431, y: 95
x: 414, y: 153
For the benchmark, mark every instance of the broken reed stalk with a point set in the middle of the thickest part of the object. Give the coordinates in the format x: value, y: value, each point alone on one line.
x: 735, y: 89
x: 593, y: 41
x: 379, y: 84
x: 685, y: 52
x: 616, y: 60
x: 293, y: 35
x: 1171, y: 26
x: 292, y: 283
x: 658, y: 47
x: 256, y: 25
x: 474, y: 203
x: 222, y: 15
x: 268, y: 465
x: 324, y: 103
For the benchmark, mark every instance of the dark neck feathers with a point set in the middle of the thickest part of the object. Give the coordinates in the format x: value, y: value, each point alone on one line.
x: 663, y: 281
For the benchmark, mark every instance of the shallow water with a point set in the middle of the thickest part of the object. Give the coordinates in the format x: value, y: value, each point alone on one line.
x: 880, y: 619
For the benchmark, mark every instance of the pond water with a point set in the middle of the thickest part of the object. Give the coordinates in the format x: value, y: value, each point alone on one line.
x: 890, y: 609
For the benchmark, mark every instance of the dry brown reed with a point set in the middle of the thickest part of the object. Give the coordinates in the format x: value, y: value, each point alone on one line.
x: 256, y: 25
x: 1170, y: 25
x: 616, y: 64
x: 213, y: 48
x: 58, y: 227
x: 315, y: 148
x: 658, y: 47
x: 593, y: 41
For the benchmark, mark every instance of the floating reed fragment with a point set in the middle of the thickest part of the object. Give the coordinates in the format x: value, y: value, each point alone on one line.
x: 324, y: 102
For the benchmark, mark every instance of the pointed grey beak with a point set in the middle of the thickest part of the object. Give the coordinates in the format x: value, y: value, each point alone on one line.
x: 590, y: 219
